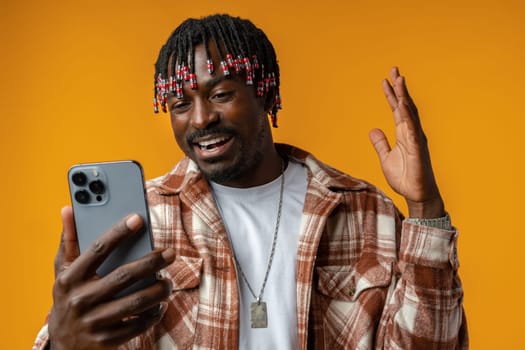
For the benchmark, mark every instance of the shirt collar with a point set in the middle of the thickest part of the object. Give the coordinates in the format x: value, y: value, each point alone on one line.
x: 186, y: 173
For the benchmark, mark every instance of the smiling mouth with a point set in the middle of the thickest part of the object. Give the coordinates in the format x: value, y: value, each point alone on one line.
x: 213, y: 143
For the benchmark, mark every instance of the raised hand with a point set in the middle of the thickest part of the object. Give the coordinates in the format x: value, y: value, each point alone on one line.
x: 407, y: 166
x: 85, y: 314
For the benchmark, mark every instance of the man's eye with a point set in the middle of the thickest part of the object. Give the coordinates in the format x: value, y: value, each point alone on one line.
x: 179, y: 107
x: 223, y: 96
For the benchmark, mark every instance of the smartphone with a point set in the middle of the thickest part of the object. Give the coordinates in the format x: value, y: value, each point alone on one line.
x: 101, y: 195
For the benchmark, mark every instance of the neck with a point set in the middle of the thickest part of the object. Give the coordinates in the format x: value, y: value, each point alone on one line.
x: 268, y: 169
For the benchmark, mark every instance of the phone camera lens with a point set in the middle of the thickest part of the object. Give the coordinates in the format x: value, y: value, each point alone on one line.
x: 79, y: 178
x: 82, y: 196
x: 97, y: 187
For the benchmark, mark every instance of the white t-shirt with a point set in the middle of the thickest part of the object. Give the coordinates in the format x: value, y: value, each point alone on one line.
x: 250, y: 216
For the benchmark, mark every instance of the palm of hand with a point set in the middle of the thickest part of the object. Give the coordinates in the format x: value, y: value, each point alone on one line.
x: 406, y: 166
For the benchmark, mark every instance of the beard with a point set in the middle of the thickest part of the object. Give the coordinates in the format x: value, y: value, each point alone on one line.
x: 241, y: 167
x: 248, y: 158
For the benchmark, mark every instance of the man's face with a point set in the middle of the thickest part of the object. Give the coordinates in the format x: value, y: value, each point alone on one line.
x: 222, y: 125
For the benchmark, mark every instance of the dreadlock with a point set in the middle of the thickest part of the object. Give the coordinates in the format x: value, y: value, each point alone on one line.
x: 242, y: 49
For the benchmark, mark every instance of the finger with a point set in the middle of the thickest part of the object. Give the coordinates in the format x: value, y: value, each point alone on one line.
x: 401, y: 86
x: 71, y: 251
x: 401, y: 90
x: 380, y: 142
x: 405, y: 109
x: 390, y: 95
x: 123, y: 331
x: 409, y: 102
x: 124, y: 276
x: 130, y: 306
x: 398, y: 85
x: 68, y: 248
x: 394, y: 74
x: 393, y: 101
x: 87, y: 263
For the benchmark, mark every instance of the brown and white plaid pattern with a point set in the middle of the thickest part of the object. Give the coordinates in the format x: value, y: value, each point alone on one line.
x: 365, y: 279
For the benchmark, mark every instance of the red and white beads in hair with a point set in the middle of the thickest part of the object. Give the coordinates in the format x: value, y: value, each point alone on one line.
x: 248, y: 69
x: 178, y: 73
x: 155, y: 105
x: 209, y: 66
x: 178, y: 90
x: 174, y: 84
x: 186, y: 73
x: 161, y: 95
x: 229, y: 60
x: 193, y: 81
x: 255, y: 62
x: 224, y: 68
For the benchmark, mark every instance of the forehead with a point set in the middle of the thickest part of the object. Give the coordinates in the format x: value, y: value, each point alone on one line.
x: 196, y: 56
x: 203, y: 77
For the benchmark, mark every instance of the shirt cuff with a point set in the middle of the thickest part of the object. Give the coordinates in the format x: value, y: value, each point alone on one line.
x: 42, y: 339
x: 442, y: 222
x: 429, y: 246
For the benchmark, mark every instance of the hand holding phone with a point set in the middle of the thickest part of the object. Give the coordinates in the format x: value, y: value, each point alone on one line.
x: 89, y: 309
x: 102, y: 194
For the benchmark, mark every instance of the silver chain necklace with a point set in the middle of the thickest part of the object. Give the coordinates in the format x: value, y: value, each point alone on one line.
x: 258, y: 311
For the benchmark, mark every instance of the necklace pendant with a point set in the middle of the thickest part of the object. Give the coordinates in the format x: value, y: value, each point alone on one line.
x: 259, y: 314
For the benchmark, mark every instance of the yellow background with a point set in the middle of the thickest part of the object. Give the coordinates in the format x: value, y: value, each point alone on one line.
x: 76, y: 86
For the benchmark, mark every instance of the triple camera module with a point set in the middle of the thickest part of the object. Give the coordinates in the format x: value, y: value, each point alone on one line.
x: 88, y: 188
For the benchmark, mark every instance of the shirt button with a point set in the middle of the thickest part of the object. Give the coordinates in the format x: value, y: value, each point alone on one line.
x: 351, y: 290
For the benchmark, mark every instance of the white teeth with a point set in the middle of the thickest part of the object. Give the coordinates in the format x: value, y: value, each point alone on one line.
x: 205, y: 144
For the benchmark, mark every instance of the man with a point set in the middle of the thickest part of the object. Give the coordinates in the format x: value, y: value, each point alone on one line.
x: 261, y: 245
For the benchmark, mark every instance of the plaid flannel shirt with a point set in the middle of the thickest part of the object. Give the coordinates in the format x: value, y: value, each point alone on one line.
x: 365, y: 279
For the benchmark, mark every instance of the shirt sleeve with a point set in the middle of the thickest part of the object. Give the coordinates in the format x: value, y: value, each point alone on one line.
x: 424, y: 309
x: 42, y: 339
x: 141, y: 342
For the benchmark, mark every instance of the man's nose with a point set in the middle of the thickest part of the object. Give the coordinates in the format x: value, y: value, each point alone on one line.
x: 203, y: 115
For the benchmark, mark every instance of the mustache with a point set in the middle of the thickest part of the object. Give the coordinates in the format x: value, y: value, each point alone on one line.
x: 211, y: 131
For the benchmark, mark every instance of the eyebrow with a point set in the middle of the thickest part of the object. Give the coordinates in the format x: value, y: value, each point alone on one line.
x: 209, y: 83
x: 216, y: 80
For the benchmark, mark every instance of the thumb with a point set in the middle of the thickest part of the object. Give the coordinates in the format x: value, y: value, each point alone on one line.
x: 380, y: 142
x: 68, y: 248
